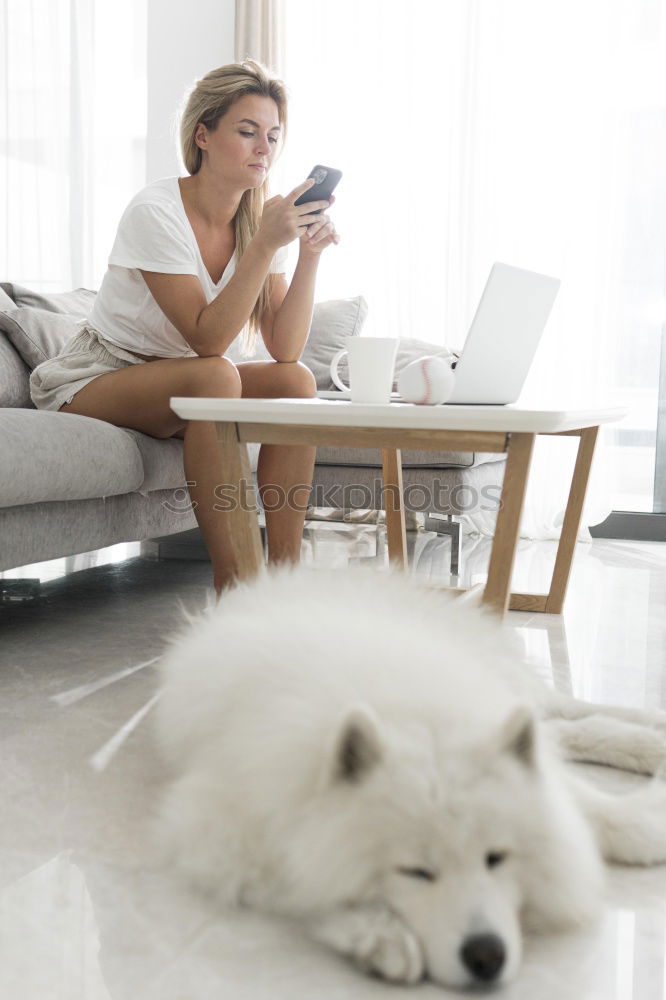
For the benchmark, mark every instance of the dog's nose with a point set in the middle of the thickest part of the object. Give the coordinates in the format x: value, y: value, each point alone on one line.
x: 484, y: 956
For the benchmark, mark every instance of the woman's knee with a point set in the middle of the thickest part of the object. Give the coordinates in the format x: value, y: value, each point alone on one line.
x: 296, y: 379
x: 215, y: 376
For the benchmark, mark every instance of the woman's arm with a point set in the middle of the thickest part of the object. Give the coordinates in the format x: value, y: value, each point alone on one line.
x: 285, y: 329
x: 219, y: 323
x: 210, y: 328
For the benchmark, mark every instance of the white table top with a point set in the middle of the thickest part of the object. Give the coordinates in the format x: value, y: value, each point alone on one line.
x: 341, y: 413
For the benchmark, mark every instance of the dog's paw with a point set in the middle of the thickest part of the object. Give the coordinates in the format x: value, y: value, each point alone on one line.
x: 376, y: 939
x: 391, y: 951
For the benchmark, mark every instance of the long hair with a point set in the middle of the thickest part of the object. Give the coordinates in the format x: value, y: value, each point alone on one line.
x: 210, y: 99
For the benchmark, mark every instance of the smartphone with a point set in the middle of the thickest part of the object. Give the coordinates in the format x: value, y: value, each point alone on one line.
x: 326, y: 179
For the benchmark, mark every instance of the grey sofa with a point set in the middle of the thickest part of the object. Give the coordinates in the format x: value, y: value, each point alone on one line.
x: 72, y: 484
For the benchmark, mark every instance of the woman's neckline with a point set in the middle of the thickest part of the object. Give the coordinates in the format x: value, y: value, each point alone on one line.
x: 196, y: 242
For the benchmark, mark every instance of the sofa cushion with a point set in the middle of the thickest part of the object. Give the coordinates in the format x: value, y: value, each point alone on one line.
x: 445, y: 491
x: 62, y: 456
x: 163, y: 461
x: 331, y: 327
x: 332, y: 323
x: 14, y: 377
x: 38, y: 334
x: 14, y: 385
x: 370, y: 458
x: 410, y: 349
x: 78, y: 302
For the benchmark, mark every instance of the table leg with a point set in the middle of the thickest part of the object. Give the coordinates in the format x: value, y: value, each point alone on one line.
x: 553, y: 602
x: 571, y: 523
x: 519, y: 455
x: 242, y: 512
x: 394, y: 507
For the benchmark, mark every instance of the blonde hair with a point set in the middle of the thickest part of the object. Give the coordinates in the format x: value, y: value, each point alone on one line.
x: 210, y: 99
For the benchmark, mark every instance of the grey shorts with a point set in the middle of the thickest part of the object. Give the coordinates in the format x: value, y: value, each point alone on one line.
x: 87, y: 356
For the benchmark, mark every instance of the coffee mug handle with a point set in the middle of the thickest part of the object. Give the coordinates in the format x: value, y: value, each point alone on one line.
x: 335, y: 361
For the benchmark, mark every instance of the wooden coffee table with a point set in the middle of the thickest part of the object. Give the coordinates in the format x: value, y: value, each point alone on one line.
x: 390, y: 428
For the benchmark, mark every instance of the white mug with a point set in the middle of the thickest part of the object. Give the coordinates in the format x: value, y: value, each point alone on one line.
x: 371, y: 364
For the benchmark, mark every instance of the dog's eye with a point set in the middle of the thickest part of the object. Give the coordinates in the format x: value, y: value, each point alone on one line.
x: 494, y: 858
x: 422, y: 873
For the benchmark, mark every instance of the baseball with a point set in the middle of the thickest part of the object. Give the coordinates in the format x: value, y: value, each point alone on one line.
x: 427, y: 380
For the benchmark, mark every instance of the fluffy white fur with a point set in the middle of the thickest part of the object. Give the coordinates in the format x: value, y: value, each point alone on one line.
x: 364, y: 754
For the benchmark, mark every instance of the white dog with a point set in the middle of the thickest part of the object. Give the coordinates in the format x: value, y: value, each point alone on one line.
x: 370, y: 756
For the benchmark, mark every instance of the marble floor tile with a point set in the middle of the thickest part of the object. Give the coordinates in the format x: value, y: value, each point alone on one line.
x: 86, y: 913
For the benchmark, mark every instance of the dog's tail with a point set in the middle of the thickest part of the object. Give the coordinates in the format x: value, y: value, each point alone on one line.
x: 629, y: 827
x: 604, y: 739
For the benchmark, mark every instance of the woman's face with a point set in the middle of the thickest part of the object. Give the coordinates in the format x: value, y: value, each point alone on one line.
x: 240, y: 150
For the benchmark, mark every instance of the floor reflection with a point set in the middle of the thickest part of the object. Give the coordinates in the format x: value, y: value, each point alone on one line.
x: 86, y: 912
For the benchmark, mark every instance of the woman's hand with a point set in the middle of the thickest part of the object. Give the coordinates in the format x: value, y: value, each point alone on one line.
x: 282, y: 220
x: 319, y: 234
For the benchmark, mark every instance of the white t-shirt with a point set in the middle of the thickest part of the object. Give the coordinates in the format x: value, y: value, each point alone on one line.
x: 154, y: 234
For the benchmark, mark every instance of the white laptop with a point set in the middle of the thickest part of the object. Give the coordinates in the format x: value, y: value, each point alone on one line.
x: 503, y: 338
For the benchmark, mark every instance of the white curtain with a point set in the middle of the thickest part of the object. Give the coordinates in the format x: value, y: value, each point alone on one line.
x: 526, y: 131
x: 259, y: 33
x: 72, y: 135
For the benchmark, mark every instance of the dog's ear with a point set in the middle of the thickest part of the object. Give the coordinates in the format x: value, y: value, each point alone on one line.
x: 518, y: 736
x: 358, y: 746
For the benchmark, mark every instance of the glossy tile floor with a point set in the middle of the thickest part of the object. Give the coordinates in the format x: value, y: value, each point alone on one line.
x: 83, y: 916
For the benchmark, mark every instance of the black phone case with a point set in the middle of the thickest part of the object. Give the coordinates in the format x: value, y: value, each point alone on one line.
x: 323, y: 190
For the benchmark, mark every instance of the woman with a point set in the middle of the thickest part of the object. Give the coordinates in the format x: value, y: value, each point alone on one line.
x: 197, y: 261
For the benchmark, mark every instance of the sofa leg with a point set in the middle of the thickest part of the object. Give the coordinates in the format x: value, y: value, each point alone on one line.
x: 436, y: 522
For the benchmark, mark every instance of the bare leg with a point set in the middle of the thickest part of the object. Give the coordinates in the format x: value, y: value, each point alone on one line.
x: 138, y: 397
x: 284, y: 472
x: 284, y: 477
x: 204, y: 476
